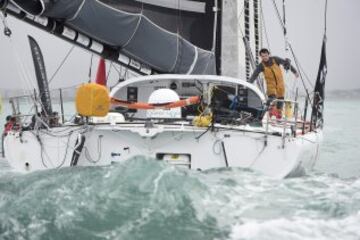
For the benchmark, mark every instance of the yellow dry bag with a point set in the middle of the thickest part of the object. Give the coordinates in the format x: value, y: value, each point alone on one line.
x: 288, y: 109
x: 92, y: 100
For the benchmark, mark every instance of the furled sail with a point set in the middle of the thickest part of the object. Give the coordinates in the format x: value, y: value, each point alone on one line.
x: 41, y: 76
x: 171, y: 36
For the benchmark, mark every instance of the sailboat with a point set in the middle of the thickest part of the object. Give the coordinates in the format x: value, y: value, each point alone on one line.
x: 189, y: 105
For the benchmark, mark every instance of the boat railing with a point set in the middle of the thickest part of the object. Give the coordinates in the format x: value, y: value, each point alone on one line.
x: 26, y: 107
x: 289, y: 119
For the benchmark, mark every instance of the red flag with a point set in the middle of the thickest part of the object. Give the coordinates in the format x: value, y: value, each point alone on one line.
x: 101, y: 73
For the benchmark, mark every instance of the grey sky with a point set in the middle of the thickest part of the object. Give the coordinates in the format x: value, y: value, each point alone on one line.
x: 305, y: 28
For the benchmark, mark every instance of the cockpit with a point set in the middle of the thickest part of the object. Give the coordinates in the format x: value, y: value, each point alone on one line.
x: 230, y: 100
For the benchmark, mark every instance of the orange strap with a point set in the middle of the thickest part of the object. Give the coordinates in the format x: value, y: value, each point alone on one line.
x: 148, y: 106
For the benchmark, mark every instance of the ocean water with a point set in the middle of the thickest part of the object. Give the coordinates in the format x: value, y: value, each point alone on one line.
x: 146, y: 199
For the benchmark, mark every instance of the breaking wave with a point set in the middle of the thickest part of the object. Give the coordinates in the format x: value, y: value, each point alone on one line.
x: 146, y: 199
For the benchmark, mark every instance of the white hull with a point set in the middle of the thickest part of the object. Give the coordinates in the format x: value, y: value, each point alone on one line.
x: 243, y: 146
x: 271, y: 148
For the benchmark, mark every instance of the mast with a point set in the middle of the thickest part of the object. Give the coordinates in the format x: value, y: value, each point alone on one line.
x: 232, y: 49
x: 247, y: 37
x: 218, y: 32
x: 256, y: 30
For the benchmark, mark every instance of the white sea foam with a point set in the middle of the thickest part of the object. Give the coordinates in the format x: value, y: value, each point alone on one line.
x: 299, y: 229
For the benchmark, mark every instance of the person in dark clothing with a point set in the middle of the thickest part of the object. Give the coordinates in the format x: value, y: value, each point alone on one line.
x: 9, y: 125
x: 270, y: 67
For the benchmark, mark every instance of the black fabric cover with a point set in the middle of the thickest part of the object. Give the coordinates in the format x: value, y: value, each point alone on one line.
x: 168, y: 39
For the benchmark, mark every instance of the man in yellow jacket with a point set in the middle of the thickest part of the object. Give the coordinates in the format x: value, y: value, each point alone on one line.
x: 270, y: 66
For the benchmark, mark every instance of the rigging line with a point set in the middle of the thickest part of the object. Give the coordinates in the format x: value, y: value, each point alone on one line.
x: 259, y: 83
x: 279, y: 16
x: 109, y: 71
x: 179, y: 18
x: 290, y: 47
x: 264, y: 25
x: 203, y: 133
x: 284, y: 17
x: 285, y: 28
x: 7, y: 30
x: 61, y: 64
x: 23, y: 73
x: 216, y: 9
x: 257, y: 157
x: 325, y: 15
x: 120, y: 75
x: 99, y: 150
x: 282, y: 22
x: 301, y: 76
x: 178, y: 45
x: 295, y: 89
x: 123, y: 74
x: 37, y: 136
x: 246, y: 42
x: 238, y: 17
x: 66, y: 151
x: 224, y: 154
x: 300, y: 68
x: 117, y: 70
x: 66, y: 88
x: 291, y: 88
x: 306, y: 76
x: 63, y: 142
x: 91, y: 60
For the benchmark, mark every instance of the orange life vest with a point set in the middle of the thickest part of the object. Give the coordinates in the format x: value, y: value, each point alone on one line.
x: 274, y: 80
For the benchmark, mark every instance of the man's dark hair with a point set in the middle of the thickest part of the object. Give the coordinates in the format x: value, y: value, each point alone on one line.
x: 264, y: 50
